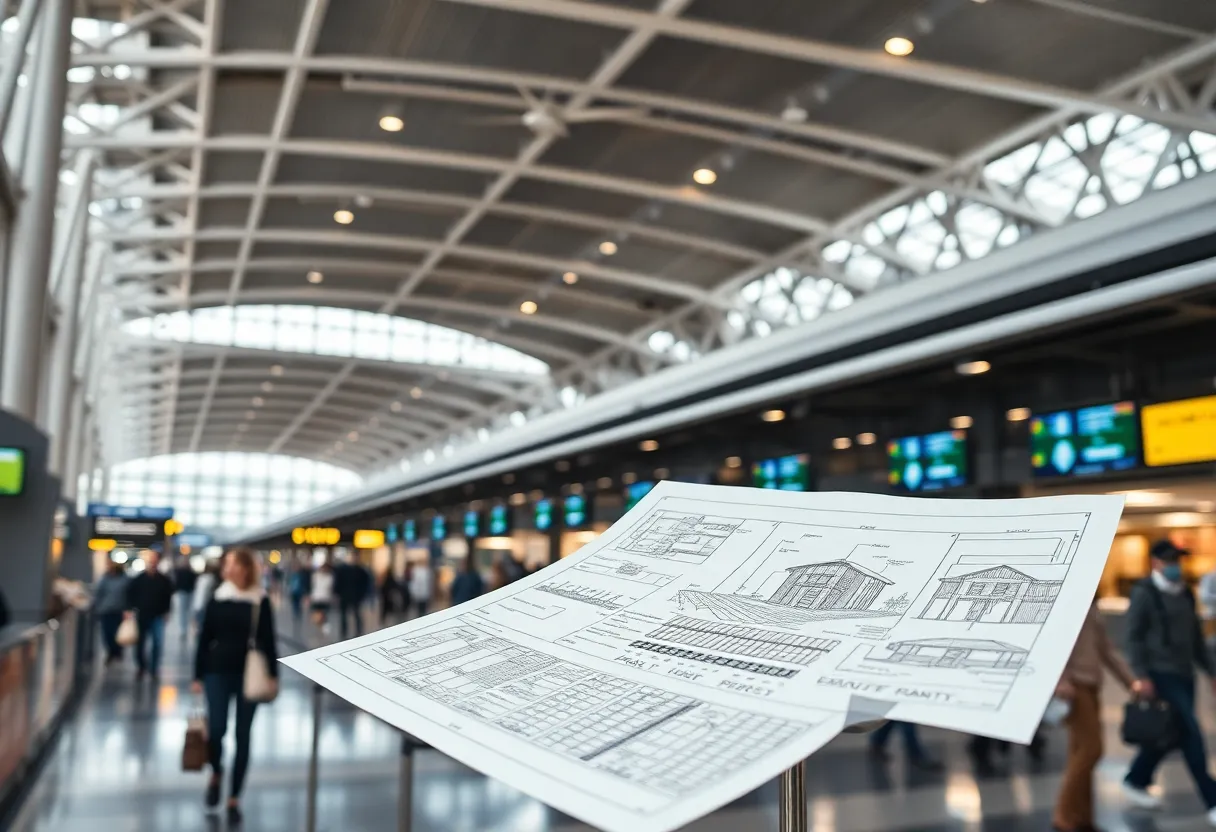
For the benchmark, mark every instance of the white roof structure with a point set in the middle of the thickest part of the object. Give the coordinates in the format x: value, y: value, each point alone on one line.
x: 373, y: 231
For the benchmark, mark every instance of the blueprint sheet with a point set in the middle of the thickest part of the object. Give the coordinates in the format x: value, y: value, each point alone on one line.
x: 714, y: 636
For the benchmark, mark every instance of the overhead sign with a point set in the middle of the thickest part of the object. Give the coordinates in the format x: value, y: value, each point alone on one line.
x: 368, y: 539
x: 1177, y: 433
x: 315, y: 536
x: 161, y: 513
x: 193, y: 540
x: 1091, y: 440
x: 128, y: 532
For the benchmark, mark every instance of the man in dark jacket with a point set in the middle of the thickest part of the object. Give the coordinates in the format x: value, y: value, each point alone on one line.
x: 184, y: 579
x: 149, y: 599
x: 1164, y: 646
x: 352, y: 585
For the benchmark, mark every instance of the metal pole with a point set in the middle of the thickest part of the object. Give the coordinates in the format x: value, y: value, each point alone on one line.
x: 311, y: 822
x: 405, y: 787
x: 30, y: 253
x: 792, y: 799
x: 15, y: 60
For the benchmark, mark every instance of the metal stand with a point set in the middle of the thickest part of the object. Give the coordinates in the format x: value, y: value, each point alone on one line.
x: 405, y: 785
x: 311, y: 822
x: 792, y: 800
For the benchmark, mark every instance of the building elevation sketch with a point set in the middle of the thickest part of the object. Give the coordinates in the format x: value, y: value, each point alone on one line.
x: 666, y: 667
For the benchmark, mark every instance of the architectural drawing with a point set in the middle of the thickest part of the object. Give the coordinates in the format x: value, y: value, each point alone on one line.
x: 745, y: 610
x: 744, y: 641
x: 958, y: 653
x: 998, y: 594
x: 835, y: 585
x: 669, y: 535
x: 626, y: 569
x: 602, y: 598
x: 653, y: 738
x: 715, y: 659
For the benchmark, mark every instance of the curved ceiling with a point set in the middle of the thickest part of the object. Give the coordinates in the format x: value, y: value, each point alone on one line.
x: 606, y: 187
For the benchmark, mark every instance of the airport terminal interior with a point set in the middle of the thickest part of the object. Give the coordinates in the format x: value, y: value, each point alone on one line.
x: 366, y: 308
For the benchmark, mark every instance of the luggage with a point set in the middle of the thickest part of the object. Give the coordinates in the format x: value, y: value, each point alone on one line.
x: 258, y: 685
x: 128, y: 633
x: 1149, y: 723
x: 194, y: 752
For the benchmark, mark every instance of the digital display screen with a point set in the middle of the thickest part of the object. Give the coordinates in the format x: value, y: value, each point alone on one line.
x: 544, y: 515
x: 409, y: 531
x: 1090, y: 440
x: 12, y: 471
x: 1180, y: 432
x: 500, y: 520
x: 787, y: 473
x: 574, y: 511
x: 439, y: 527
x: 635, y: 492
x: 928, y: 463
x: 390, y: 533
x: 472, y: 524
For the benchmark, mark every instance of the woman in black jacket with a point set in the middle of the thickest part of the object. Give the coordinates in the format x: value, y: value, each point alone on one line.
x: 219, y: 667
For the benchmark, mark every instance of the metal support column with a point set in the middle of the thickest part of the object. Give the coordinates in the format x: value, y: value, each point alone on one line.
x: 310, y: 823
x: 791, y: 811
x: 405, y: 785
x: 15, y: 60
x: 30, y: 252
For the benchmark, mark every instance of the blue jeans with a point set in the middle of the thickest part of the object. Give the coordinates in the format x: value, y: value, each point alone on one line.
x: 221, y: 689
x: 1179, y: 692
x: 879, y: 739
x: 153, y: 628
x: 110, y: 622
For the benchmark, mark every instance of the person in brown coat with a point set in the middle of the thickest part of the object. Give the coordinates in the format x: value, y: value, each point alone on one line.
x: 1079, y: 685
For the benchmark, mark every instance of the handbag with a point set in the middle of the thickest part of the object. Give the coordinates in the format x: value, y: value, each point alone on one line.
x: 1149, y: 723
x: 128, y: 633
x: 194, y: 752
x: 258, y: 685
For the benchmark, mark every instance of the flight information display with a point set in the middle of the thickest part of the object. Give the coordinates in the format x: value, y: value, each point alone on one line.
x: 1180, y: 432
x: 928, y: 463
x: 544, y: 515
x: 12, y: 471
x: 500, y: 520
x: 472, y: 524
x: 787, y: 473
x: 574, y: 511
x: 1090, y: 440
x: 635, y: 492
x: 439, y: 527
x: 409, y: 531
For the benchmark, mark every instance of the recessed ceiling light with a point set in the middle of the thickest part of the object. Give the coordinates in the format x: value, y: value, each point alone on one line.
x: 373, y: 422
x: 390, y: 123
x: 570, y: 278
x: 794, y: 113
x: 704, y: 176
x: 608, y: 248
x: 276, y: 369
x: 603, y: 483
x: 344, y: 216
x: 316, y: 277
x: 842, y: 443
x: 575, y: 488
x: 898, y: 46
x: 866, y: 439
x: 528, y: 307
x: 972, y: 368
x: 267, y: 386
x: 258, y: 401
x: 961, y: 422
x: 772, y: 416
x: 629, y: 478
x: 396, y: 407
x: 734, y: 462
x: 661, y: 473
x: 648, y: 445
x: 416, y: 393
x: 353, y: 436
x: 1018, y: 414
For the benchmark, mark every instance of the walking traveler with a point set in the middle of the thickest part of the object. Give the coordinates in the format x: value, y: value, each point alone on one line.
x: 352, y: 585
x: 227, y: 635
x: 204, y: 588
x: 149, y: 599
x: 468, y: 584
x: 421, y: 587
x: 109, y: 603
x: 1164, y: 646
x: 321, y: 598
x: 184, y: 580
x: 917, y: 757
x: 299, y: 585
x: 1080, y: 685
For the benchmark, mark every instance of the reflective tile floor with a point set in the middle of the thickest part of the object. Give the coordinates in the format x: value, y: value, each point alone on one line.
x: 117, y: 769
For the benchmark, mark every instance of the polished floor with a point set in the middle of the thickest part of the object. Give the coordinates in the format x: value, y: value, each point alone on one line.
x: 117, y: 769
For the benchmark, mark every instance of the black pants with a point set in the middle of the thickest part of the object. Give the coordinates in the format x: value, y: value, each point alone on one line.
x: 349, y: 610
x: 110, y: 622
x: 221, y: 689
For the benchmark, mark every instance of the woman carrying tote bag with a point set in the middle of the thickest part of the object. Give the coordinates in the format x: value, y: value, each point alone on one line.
x: 236, y: 659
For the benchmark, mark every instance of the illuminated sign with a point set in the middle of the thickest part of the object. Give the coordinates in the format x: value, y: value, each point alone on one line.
x: 368, y: 539
x: 315, y: 536
x: 102, y: 544
x: 409, y: 531
x: 439, y: 527
x: 173, y: 527
x: 544, y: 515
x: 500, y: 520
x: 1176, y: 433
x: 575, y: 511
x: 928, y: 463
x: 472, y: 524
x: 1091, y: 440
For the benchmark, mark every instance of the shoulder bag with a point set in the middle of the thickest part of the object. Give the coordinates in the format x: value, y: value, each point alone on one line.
x: 1151, y: 723
x: 194, y: 752
x: 258, y: 685
x: 128, y: 632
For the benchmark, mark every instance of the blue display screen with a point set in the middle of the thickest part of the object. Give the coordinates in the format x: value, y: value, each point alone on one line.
x: 574, y: 511
x: 928, y: 463
x: 500, y: 520
x: 409, y: 531
x: 390, y: 533
x: 544, y: 515
x: 1091, y: 440
x: 439, y: 527
x: 472, y: 524
x: 635, y: 492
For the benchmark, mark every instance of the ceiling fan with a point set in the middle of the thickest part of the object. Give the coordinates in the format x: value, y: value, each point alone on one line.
x: 549, y: 119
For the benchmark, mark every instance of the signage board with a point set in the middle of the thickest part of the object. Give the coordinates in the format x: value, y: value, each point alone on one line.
x: 315, y: 536
x: 928, y: 463
x: 1090, y: 440
x: 787, y: 473
x: 1179, y: 432
x: 500, y: 520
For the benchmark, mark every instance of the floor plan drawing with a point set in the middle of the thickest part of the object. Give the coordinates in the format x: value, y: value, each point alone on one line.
x: 689, y: 538
x: 997, y: 594
x: 625, y: 569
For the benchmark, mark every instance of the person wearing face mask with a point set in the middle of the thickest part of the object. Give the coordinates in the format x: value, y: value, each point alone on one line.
x: 1164, y: 646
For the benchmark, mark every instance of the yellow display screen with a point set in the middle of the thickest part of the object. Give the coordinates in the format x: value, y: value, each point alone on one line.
x: 1176, y: 433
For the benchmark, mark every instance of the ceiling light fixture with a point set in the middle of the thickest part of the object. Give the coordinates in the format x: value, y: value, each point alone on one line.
x: 661, y: 473
x: 648, y: 445
x: 794, y: 113
x: 961, y: 422
x: 842, y: 443
x: 353, y: 436
x: 390, y: 122
x: 416, y: 393
x: 704, y: 176
x: 734, y: 462
x: 258, y: 401
x: 898, y: 46
x: 344, y: 216
x: 866, y: 439
x: 528, y: 307
x: 603, y: 483
x: 772, y: 416
x: 972, y: 368
x: 1018, y: 414
x: 276, y: 369
x: 608, y: 248
x: 629, y: 478
x: 396, y: 407
x: 570, y: 278
x: 267, y: 386
x: 317, y: 277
